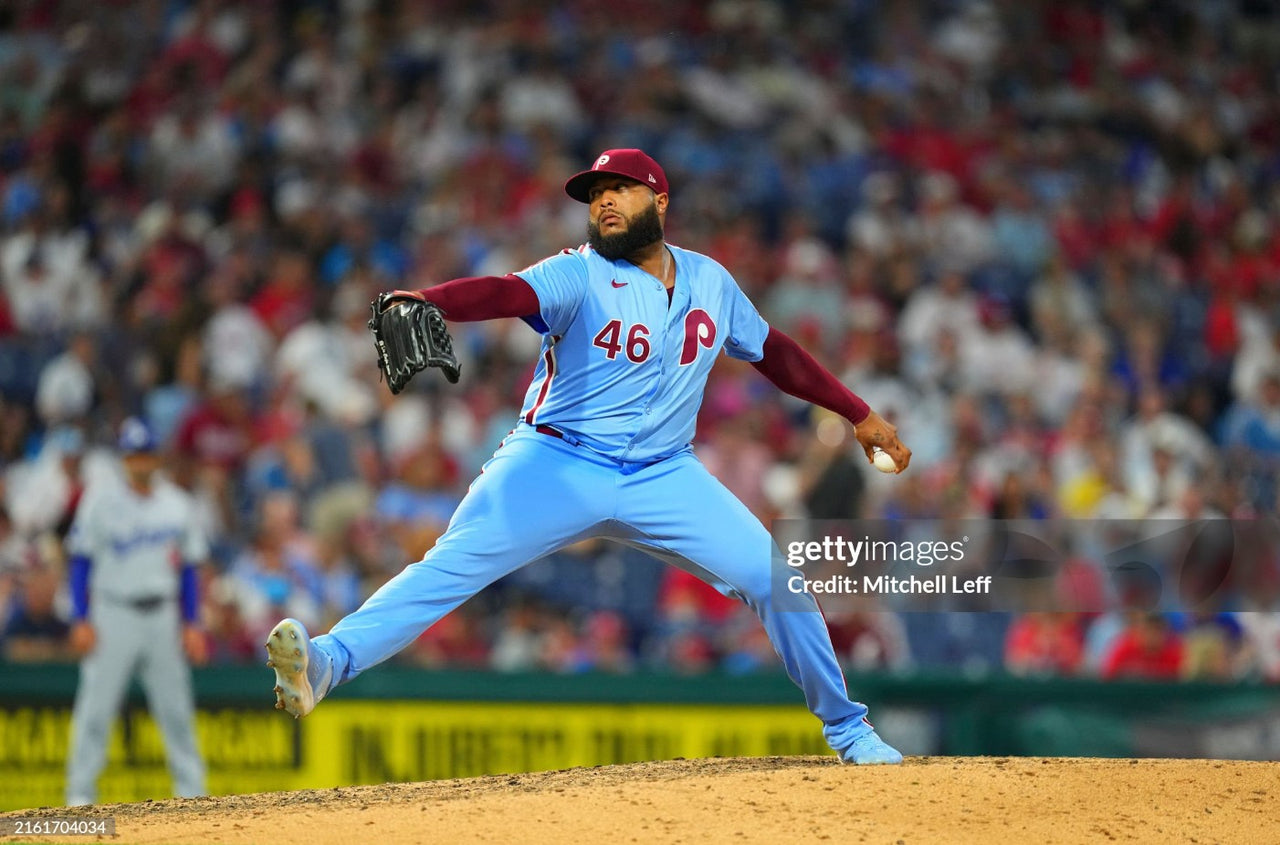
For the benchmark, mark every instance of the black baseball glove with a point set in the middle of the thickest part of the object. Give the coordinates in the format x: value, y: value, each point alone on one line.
x: 410, y: 335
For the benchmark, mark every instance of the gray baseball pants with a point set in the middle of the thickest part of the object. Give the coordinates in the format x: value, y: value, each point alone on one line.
x: 146, y: 642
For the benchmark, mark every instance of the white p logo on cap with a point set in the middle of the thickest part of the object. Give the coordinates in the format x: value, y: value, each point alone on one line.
x: 601, y: 162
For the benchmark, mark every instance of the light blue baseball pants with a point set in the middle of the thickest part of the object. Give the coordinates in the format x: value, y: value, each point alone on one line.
x: 539, y: 493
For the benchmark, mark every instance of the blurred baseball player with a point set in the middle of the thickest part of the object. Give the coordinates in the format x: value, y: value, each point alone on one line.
x: 631, y: 326
x: 134, y: 549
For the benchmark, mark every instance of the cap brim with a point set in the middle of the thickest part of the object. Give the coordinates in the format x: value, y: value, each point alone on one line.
x: 579, y: 185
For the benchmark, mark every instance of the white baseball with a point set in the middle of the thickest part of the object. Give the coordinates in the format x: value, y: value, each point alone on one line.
x: 883, y: 460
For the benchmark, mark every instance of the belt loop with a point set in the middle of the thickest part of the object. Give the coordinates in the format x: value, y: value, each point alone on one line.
x: 551, y: 431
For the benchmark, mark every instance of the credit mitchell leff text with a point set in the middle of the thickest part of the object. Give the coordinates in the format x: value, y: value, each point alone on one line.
x: 830, y: 550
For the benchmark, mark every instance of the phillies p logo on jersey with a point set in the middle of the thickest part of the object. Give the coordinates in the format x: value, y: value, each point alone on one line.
x: 699, y: 331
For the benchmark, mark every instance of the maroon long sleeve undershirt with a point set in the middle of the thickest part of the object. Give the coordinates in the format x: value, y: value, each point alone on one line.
x: 785, y: 363
x: 475, y: 298
x: 794, y: 371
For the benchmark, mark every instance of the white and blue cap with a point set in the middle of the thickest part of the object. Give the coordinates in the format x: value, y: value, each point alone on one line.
x: 136, y: 436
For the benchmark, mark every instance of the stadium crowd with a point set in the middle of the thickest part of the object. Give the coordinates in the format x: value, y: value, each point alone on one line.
x: 1039, y: 236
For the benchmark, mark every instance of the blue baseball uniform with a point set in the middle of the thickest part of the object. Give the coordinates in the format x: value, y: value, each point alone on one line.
x: 622, y: 368
x: 602, y: 448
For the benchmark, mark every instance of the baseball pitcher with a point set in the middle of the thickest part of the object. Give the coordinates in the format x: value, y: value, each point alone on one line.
x: 631, y: 326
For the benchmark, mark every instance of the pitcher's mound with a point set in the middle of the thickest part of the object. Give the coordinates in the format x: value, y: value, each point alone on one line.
x: 767, y: 800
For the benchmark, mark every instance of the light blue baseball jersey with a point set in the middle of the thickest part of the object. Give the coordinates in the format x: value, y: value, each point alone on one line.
x: 621, y: 370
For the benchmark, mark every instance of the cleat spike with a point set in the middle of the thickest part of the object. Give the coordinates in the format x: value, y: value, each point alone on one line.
x: 275, y: 634
x: 279, y: 705
x: 297, y: 652
x: 271, y: 664
x: 297, y: 667
x: 293, y: 634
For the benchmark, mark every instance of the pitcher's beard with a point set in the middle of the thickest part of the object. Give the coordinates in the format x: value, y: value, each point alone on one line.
x: 642, y: 230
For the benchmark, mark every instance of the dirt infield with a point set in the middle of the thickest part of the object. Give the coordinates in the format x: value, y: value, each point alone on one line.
x: 773, y: 800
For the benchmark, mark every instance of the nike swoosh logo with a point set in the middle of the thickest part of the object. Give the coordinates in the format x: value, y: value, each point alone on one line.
x: 618, y: 284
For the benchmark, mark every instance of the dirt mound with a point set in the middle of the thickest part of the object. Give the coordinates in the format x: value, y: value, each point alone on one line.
x: 771, y: 799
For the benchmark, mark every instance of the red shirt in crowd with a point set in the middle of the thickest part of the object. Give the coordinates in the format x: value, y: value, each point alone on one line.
x: 1044, y: 644
x: 1139, y: 653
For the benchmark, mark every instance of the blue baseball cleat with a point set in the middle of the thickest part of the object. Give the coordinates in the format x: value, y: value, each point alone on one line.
x: 857, y: 742
x: 870, y: 750
x: 303, y: 672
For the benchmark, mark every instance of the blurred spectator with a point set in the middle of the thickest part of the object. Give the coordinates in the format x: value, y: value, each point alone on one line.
x: 744, y: 646
x: 1147, y: 364
x: 515, y: 648
x: 869, y: 641
x: 1260, y: 620
x: 416, y: 506
x: 65, y: 391
x: 328, y: 360
x: 458, y: 641
x: 606, y: 643
x: 734, y: 453
x: 831, y: 471
x: 1154, y: 428
x: 1060, y: 298
x: 42, y: 493
x: 279, y: 575
x: 1044, y: 643
x: 1258, y: 356
x: 1215, y: 647
x: 948, y: 305
x: 953, y: 235
x: 996, y: 356
x: 688, y: 614
x: 1147, y: 647
x: 237, y: 346
x: 170, y: 392
x: 288, y: 295
x: 337, y: 574
x: 193, y: 148
x: 1015, y: 499
x: 1019, y: 232
x: 806, y: 300
x: 880, y: 226
x: 49, y: 282
x: 1189, y: 503
x: 230, y: 637
x: 34, y: 632
x: 1259, y: 429
x: 210, y: 446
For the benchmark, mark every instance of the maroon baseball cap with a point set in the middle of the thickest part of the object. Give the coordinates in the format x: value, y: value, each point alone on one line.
x: 633, y: 164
